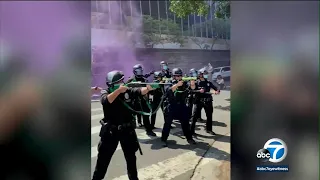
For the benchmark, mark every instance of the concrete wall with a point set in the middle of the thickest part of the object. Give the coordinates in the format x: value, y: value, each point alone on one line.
x: 150, y: 59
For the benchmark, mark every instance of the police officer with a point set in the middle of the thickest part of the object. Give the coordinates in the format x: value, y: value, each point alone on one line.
x: 155, y: 97
x: 175, y: 106
x: 140, y: 76
x: 118, y: 127
x: 165, y: 70
x: 192, y: 73
x: 203, y: 99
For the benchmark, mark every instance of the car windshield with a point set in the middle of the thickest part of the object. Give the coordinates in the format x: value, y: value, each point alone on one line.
x: 216, y: 70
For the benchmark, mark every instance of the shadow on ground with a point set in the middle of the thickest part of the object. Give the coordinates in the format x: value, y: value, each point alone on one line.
x: 172, y: 144
x: 215, y: 123
x: 217, y: 137
x: 224, y: 108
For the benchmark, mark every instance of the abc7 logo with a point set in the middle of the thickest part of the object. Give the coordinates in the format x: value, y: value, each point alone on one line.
x: 263, y: 155
x: 274, y: 150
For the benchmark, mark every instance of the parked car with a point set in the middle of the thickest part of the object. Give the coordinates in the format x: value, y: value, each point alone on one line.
x: 224, y: 72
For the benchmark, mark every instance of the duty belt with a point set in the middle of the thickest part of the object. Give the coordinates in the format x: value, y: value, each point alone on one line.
x: 205, y: 99
x: 117, y: 127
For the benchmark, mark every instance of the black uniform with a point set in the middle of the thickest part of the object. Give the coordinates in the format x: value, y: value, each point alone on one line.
x: 165, y: 71
x: 189, y: 103
x: 166, y: 74
x: 155, y: 100
x: 142, y: 105
x: 174, y: 106
x: 192, y: 73
x: 119, y: 127
x: 203, y: 100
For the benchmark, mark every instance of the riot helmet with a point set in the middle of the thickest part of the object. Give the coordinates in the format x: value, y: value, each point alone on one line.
x: 114, y: 77
x: 138, y: 70
x: 164, y: 65
x: 193, y: 73
x: 157, y: 74
x: 177, y: 72
x: 203, y: 73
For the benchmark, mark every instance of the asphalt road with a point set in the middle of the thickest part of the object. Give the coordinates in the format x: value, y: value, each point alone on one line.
x: 176, y: 162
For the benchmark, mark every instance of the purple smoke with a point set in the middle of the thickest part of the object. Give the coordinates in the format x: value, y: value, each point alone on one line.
x: 114, y: 45
x: 28, y: 26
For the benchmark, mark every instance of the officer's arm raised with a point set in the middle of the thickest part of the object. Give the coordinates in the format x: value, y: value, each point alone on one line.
x: 112, y: 96
x: 213, y: 86
x: 174, y: 87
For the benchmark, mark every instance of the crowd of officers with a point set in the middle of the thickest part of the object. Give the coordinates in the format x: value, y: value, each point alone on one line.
x: 122, y: 106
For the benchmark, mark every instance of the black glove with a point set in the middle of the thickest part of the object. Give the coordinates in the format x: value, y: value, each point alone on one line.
x: 149, y: 74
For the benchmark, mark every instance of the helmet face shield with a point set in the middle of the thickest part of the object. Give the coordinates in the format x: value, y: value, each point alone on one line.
x: 164, y: 67
x: 138, y: 72
x: 203, y: 74
x: 177, y: 77
x: 194, y: 74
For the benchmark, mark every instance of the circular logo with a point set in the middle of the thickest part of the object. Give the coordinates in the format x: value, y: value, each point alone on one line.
x: 126, y: 96
x: 277, y: 148
x: 263, y: 155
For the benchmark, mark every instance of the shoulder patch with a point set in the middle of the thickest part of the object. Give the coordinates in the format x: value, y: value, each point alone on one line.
x: 126, y: 96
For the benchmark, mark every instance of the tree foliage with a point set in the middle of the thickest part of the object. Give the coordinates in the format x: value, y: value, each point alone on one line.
x: 200, y: 7
x: 159, y: 31
x: 223, y: 10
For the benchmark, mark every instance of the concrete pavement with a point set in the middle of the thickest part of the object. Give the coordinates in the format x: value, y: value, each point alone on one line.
x: 209, y: 159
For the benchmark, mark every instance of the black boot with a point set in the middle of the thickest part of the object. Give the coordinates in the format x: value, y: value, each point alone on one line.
x: 151, y: 133
x: 191, y: 141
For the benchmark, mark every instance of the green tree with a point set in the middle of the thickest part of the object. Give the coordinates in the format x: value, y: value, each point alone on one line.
x: 200, y: 7
x: 160, y: 31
